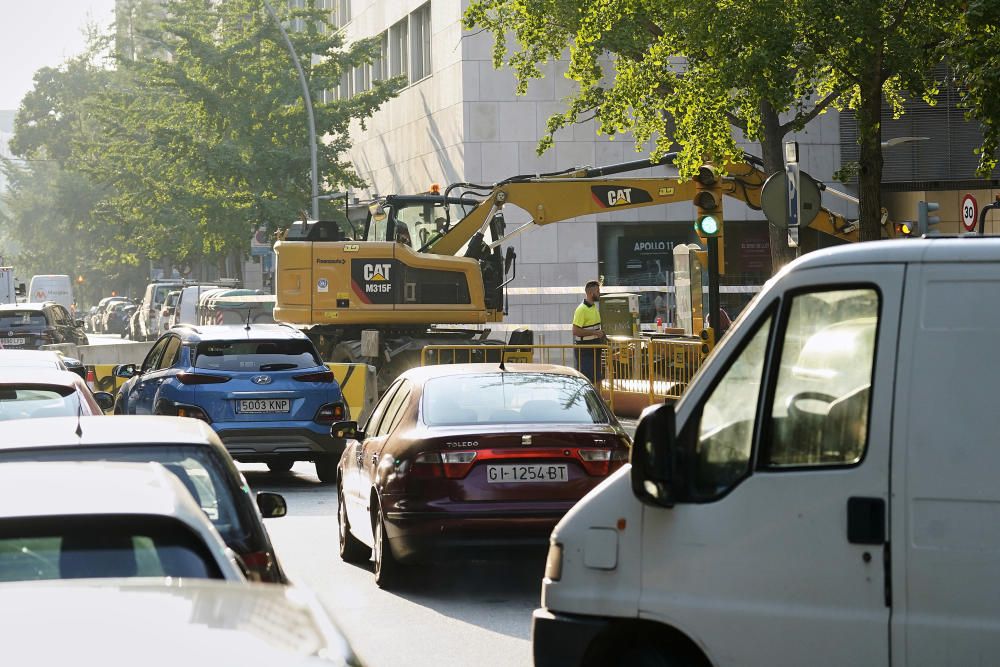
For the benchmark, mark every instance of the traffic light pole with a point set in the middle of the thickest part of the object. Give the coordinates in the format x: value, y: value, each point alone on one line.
x: 714, y: 307
x: 982, y: 215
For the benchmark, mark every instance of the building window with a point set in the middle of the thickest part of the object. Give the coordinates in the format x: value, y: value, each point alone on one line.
x: 343, y: 12
x: 420, y: 43
x: 297, y: 24
x: 377, y: 66
x: 362, y: 80
x: 398, y: 48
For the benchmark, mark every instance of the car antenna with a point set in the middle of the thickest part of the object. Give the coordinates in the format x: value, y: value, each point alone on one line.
x: 79, y: 416
x: 247, y: 327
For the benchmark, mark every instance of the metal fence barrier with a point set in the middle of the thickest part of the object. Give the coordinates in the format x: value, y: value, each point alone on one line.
x: 632, y: 372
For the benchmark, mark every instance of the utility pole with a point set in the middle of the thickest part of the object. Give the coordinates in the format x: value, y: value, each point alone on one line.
x: 307, y: 98
x: 982, y: 214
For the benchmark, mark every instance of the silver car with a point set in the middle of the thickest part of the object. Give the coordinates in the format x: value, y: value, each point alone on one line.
x: 105, y: 520
x: 123, y: 623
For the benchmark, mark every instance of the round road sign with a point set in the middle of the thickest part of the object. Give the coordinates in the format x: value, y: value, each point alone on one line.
x: 774, y: 198
x: 970, y: 213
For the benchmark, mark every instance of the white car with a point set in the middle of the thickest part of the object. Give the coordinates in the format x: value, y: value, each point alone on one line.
x: 165, y: 623
x: 100, y: 520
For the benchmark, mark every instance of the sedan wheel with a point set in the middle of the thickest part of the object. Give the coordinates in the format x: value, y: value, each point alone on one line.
x: 351, y: 549
x: 387, y: 568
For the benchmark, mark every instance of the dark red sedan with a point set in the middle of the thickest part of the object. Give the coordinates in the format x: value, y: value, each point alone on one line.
x: 471, y: 456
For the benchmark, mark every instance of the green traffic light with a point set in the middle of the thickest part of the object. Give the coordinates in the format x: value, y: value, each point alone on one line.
x: 707, y: 226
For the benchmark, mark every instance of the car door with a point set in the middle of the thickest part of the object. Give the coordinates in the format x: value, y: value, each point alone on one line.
x: 165, y: 368
x: 146, y: 384
x: 782, y: 538
x: 357, y: 488
x: 373, y: 446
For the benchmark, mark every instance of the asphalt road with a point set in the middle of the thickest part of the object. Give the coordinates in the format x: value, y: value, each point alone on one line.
x: 459, y: 614
x: 454, y: 614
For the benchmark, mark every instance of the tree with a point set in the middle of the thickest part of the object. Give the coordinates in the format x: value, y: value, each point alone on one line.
x: 204, y: 129
x: 878, y: 51
x: 681, y: 74
x: 975, y: 59
x: 691, y: 72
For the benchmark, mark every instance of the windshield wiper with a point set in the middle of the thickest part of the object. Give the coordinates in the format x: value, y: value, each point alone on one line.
x: 277, y: 367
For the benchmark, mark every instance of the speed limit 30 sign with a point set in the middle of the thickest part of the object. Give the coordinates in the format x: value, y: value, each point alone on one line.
x: 970, y: 213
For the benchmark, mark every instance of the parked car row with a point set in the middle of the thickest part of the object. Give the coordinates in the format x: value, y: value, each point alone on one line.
x: 148, y: 510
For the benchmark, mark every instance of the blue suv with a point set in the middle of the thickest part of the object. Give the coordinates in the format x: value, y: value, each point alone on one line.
x: 263, y: 389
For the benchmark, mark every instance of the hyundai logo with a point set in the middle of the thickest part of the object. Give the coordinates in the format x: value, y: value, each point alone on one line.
x: 261, y: 379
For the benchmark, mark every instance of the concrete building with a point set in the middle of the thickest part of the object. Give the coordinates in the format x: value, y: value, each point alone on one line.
x: 460, y: 120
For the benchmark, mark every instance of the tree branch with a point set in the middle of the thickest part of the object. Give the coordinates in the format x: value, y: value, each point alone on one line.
x: 736, y: 121
x: 802, y: 119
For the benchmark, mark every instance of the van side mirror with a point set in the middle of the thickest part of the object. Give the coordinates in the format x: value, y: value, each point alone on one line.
x: 20, y: 290
x: 654, y: 470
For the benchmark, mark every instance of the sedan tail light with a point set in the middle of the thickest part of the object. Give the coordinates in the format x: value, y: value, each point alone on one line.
x: 451, y: 465
x: 201, y: 378
x: 320, y: 376
x: 601, y: 462
x: 330, y: 413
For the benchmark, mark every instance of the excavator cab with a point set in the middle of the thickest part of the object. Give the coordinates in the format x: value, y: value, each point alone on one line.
x: 385, y: 276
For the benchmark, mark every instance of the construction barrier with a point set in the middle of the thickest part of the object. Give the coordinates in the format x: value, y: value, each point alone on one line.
x: 574, y: 356
x: 359, y: 387
x: 636, y: 372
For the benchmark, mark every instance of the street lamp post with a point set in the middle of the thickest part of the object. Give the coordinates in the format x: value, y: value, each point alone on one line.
x: 309, y: 110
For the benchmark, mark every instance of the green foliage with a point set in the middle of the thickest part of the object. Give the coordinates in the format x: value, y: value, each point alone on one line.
x: 678, y: 71
x: 198, y: 134
x: 976, y: 63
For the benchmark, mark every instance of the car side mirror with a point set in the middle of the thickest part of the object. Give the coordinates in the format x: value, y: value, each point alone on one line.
x: 105, y: 400
x: 20, y: 290
x: 271, y: 505
x: 78, y: 324
x: 346, y: 430
x: 125, y: 371
x: 654, y: 453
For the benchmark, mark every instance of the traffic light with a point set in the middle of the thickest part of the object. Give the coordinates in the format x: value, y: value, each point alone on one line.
x: 708, y: 202
x: 902, y: 229
x: 924, y: 217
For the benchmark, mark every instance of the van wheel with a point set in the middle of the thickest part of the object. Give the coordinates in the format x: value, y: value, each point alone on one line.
x: 387, y: 568
x: 653, y: 655
x: 326, y: 469
x: 351, y: 549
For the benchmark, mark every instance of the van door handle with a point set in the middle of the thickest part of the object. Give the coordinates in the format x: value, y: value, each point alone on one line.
x: 866, y: 520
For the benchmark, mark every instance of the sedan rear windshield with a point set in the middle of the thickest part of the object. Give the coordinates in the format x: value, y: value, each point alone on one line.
x: 519, y: 398
x: 256, y: 355
x: 20, y: 319
x: 197, y: 469
x: 99, y: 546
x: 28, y: 401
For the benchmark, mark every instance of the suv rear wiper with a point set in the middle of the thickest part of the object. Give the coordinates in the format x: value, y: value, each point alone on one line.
x: 277, y: 367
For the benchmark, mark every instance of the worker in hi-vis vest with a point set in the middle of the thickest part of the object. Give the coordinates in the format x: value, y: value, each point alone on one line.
x: 587, y: 331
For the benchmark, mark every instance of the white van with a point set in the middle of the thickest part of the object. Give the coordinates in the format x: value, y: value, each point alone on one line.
x: 186, y: 311
x: 51, y: 288
x: 825, y: 493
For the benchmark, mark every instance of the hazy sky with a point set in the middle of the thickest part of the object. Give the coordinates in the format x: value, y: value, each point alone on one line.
x: 39, y: 33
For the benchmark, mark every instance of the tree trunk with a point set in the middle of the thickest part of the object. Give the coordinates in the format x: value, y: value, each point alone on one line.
x: 870, y: 138
x: 774, y: 160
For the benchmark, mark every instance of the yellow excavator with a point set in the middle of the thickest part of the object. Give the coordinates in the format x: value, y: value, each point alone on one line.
x: 427, y: 261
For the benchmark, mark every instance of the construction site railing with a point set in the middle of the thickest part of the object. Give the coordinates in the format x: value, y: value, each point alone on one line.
x: 633, y: 372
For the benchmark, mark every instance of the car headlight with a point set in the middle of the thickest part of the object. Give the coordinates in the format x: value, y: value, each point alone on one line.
x: 553, y: 562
